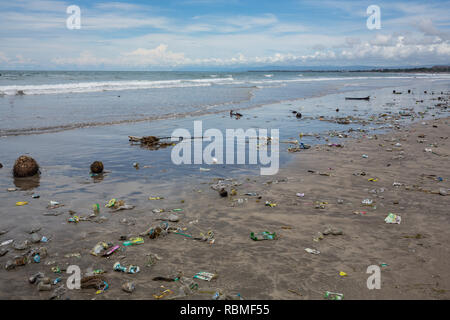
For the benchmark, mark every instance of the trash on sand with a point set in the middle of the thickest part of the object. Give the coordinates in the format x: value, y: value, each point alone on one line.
x: 365, y: 156
x: 313, y: 251
x: 129, y: 269
x: 96, y: 208
x: 99, y: 248
x: 393, y: 218
x: 207, y: 276
x: 367, y: 202
x: 333, y: 295
x: 265, y: 235
x: 124, y: 207
x: 111, y: 203
x: 163, y: 294
x: 21, y: 203
x: 204, y: 169
x: 4, y: 243
x: 56, y: 269
x: 74, y: 219
x: 155, y: 198
x: 342, y: 274
x: 110, y: 251
x: 301, y: 195
x: 133, y: 241
x: 270, y: 204
x: 11, y: 189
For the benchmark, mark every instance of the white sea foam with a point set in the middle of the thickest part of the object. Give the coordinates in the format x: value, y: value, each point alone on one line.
x: 86, y: 87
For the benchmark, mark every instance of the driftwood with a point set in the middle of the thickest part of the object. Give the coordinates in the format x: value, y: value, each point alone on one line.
x: 151, y: 142
x: 365, y: 98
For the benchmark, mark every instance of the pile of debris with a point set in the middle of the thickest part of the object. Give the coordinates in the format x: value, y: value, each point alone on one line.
x: 151, y: 142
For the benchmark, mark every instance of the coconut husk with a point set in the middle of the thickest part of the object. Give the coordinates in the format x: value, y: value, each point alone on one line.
x: 96, y: 282
x: 25, y: 167
x: 97, y: 167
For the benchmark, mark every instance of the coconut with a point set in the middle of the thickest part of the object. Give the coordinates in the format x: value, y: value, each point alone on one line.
x: 25, y: 167
x: 97, y: 167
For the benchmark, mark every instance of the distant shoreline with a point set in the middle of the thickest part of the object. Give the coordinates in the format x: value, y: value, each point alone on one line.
x: 435, y: 69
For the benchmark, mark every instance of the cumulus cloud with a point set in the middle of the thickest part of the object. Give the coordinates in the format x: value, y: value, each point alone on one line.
x: 386, y: 48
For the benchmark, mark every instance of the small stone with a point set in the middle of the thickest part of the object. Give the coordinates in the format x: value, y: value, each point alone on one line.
x: 173, y: 218
x: 442, y: 192
x: 128, y: 287
x: 10, y: 265
x: 35, y: 277
x: 44, y: 287
x: 223, y: 193
x: 35, y: 238
x: 21, y: 246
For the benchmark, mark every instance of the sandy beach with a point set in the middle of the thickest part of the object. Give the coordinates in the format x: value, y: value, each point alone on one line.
x: 395, y: 173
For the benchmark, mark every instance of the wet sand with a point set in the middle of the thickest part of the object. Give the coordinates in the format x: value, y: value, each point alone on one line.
x: 414, y: 256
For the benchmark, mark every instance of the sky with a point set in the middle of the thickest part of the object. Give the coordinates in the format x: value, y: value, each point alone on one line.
x: 217, y: 34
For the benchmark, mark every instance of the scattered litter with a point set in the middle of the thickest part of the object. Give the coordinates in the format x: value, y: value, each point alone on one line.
x: 130, y: 269
x: 163, y: 294
x: 207, y: 276
x: 4, y: 243
x: 133, y: 241
x: 265, y: 235
x: 333, y: 296
x: 393, y: 218
x: 270, y: 204
x: 313, y: 251
x: 21, y: 203
x: 99, y: 248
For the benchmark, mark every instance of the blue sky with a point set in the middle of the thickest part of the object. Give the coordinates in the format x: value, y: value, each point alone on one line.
x: 155, y: 35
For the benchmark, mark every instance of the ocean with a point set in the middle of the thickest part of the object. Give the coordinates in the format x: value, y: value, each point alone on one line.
x: 39, y: 101
x: 66, y: 120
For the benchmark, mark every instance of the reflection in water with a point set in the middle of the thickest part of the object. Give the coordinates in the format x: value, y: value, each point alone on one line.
x: 97, y: 177
x: 27, y: 183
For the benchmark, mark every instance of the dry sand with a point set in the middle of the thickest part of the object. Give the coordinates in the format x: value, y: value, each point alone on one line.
x: 415, y: 253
